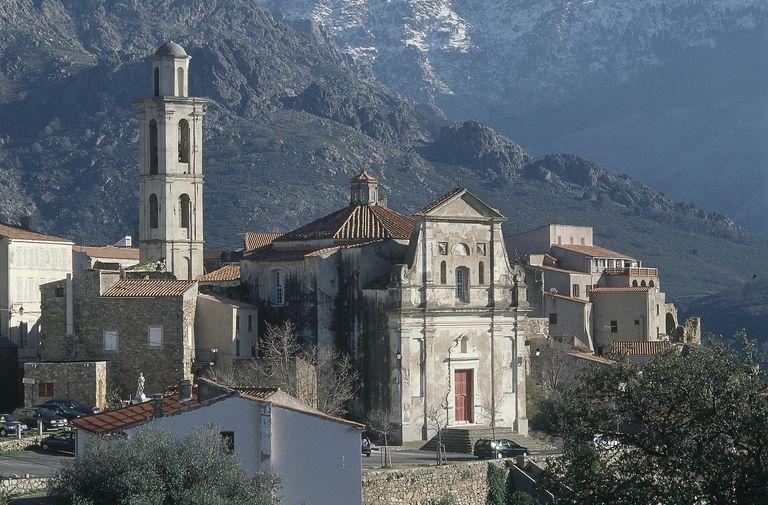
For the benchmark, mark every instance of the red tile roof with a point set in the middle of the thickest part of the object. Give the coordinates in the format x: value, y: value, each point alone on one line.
x: 640, y: 347
x: 364, y: 176
x: 626, y: 289
x: 592, y: 357
x: 439, y: 201
x: 17, y: 232
x: 354, y: 222
x: 227, y: 273
x: 148, y: 288
x: 227, y: 301
x: 108, y: 252
x: 593, y: 251
x: 563, y: 270
x: 272, y: 254
x: 255, y: 239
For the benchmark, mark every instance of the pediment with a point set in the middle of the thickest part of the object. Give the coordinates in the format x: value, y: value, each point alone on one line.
x: 465, y: 205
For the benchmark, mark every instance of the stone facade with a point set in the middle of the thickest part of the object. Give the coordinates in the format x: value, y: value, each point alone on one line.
x: 21, y: 486
x: 95, y: 318
x: 171, y: 167
x: 84, y: 382
x: 466, y: 483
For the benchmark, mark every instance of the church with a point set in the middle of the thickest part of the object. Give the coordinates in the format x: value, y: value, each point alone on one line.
x: 429, y: 307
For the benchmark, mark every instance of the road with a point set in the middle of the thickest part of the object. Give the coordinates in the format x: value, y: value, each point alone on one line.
x: 33, y: 462
x: 412, y: 458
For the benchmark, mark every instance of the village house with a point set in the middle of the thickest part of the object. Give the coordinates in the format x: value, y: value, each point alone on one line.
x: 591, y: 296
x: 429, y: 308
x: 106, y: 256
x: 316, y: 456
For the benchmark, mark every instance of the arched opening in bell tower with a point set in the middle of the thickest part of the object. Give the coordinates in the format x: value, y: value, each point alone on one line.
x: 185, y: 210
x: 180, y: 82
x: 184, y: 141
x: 153, y: 211
x: 156, y: 81
x: 153, y: 157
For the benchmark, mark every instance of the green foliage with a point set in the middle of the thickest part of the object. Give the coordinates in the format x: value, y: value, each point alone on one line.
x: 497, y: 485
x: 686, y: 428
x: 520, y: 498
x: 533, y: 398
x: 153, y: 467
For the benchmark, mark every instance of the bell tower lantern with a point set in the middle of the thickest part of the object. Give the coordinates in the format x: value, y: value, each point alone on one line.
x: 171, y: 166
x: 363, y: 189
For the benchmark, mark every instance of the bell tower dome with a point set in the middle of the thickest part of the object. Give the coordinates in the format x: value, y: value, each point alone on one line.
x: 171, y: 166
x: 363, y: 189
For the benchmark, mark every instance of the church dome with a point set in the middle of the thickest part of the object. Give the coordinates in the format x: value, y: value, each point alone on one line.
x: 171, y: 48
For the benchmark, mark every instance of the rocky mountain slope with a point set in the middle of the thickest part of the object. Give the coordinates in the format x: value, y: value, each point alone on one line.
x: 288, y: 124
x: 670, y: 91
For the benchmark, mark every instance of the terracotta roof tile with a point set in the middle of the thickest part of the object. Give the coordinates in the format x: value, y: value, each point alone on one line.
x: 227, y: 273
x: 272, y: 254
x: 108, y: 252
x: 17, y: 232
x: 148, y: 288
x: 436, y: 203
x: 354, y: 222
x: 563, y: 270
x: 640, y: 347
x: 255, y: 239
x: 626, y: 289
x: 592, y: 250
x: 227, y: 301
x: 364, y: 176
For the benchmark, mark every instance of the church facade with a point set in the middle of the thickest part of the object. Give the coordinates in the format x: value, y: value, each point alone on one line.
x: 429, y: 308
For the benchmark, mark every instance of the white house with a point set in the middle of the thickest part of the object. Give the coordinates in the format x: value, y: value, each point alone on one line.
x: 316, y: 456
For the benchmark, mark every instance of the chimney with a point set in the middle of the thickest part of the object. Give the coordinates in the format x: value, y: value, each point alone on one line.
x: 157, y: 406
x: 26, y: 222
x: 185, y: 390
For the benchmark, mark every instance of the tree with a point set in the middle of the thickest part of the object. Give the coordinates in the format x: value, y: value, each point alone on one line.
x: 497, y: 485
x: 383, y: 422
x: 336, y: 379
x: 154, y: 467
x: 437, y: 419
x: 686, y: 428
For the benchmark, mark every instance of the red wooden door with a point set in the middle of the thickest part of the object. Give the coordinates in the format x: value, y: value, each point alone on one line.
x: 463, y: 398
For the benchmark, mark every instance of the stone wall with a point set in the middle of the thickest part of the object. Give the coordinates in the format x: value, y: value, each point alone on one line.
x: 84, y: 382
x: 15, y: 444
x: 424, y: 485
x: 14, y: 487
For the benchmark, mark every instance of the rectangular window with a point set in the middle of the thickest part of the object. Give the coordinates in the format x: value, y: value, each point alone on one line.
x: 462, y: 284
x: 637, y: 322
x: 553, y: 318
x: 59, y: 293
x: 110, y: 340
x: 229, y: 440
x: 581, y: 241
x: 250, y: 322
x: 575, y: 291
x: 237, y: 323
x: 657, y: 310
x: 614, y: 326
x: 45, y: 389
x: 481, y: 273
x: 279, y: 289
x: 599, y: 350
x: 155, y: 336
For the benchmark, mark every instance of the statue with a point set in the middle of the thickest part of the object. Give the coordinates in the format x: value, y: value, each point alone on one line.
x: 139, y: 397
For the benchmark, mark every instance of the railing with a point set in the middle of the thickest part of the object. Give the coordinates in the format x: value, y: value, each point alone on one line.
x: 633, y: 271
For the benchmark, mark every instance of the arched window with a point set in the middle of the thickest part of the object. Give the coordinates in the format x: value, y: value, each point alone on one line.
x: 184, y: 141
x: 651, y: 284
x: 185, y: 209
x: 153, y: 147
x: 464, y: 344
x: 461, y: 249
x: 180, y: 82
x: 278, y: 286
x: 481, y: 273
x: 153, y: 211
x: 156, y: 81
x: 462, y: 284
x: 642, y: 284
x: 634, y: 283
x: 443, y: 275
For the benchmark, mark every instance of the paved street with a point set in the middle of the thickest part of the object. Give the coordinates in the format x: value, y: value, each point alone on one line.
x: 33, y: 462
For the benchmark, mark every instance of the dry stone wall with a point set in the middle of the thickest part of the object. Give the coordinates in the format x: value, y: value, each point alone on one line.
x: 426, y: 485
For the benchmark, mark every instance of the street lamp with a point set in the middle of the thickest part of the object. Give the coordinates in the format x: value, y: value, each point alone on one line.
x: 399, y: 355
x: 537, y: 352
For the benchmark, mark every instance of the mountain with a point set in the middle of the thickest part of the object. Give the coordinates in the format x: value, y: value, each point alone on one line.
x: 669, y: 91
x: 289, y: 122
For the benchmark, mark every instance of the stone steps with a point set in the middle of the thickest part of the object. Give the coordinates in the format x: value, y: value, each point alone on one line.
x: 463, y: 439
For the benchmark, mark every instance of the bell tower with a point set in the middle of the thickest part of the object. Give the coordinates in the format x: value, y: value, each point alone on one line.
x: 171, y: 167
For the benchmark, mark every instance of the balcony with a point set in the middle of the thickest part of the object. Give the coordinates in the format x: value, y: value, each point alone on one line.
x: 633, y: 272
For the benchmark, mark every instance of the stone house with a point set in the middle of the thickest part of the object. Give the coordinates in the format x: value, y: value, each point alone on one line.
x: 226, y: 330
x: 427, y: 307
x: 316, y: 456
x: 83, y: 382
x: 142, y: 325
x: 592, y: 296
x: 89, y: 257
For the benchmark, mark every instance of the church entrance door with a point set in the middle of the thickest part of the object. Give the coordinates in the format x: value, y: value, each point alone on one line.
x: 463, y: 399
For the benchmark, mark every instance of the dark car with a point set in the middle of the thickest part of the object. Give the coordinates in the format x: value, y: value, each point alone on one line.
x: 501, y: 448
x: 31, y: 415
x: 70, y: 405
x: 9, y: 425
x: 62, y: 441
x: 62, y: 411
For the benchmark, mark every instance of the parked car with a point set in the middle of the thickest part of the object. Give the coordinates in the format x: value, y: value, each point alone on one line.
x: 70, y: 405
x: 31, y: 415
x: 501, y: 448
x: 9, y: 425
x: 62, y: 411
x: 63, y: 441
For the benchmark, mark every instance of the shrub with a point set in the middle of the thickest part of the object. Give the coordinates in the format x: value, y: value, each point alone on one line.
x: 520, y: 498
x: 497, y: 485
x: 154, y: 467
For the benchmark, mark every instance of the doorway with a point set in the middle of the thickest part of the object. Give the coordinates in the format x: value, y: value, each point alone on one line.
x: 464, y: 381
